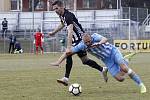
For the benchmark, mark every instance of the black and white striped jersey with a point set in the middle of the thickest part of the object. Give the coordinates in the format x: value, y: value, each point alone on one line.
x: 69, y: 18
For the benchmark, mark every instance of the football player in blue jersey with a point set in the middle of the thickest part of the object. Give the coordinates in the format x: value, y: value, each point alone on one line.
x: 98, y: 46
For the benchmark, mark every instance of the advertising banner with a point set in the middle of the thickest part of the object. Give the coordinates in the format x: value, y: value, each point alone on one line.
x: 133, y: 45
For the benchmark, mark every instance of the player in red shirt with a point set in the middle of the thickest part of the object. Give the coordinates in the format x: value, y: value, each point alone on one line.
x: 39, y: 38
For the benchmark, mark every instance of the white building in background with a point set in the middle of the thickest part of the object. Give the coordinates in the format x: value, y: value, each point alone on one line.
x: 45, y: 5
x: 10, y: 5
x: 5, y: 5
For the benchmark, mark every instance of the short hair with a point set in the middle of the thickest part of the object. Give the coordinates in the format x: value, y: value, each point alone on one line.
x: 57, y: 2
x: 86, y: 35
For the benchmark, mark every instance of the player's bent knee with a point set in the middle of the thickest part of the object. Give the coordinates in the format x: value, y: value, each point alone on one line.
x: 120, y: 79
x: 124, y: 68
x: 85, y: 61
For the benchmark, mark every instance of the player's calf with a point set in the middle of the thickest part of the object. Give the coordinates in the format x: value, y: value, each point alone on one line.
x: 92, y: 64
x: 137, y: 80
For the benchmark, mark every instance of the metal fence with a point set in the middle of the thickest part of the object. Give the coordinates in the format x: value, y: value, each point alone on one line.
x: 135, y: 14
x: 123, y: 24
x: 113, y: 29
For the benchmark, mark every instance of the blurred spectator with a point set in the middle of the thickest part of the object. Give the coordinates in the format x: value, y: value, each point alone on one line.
x: 62, y: 41
x: 4, y: 27
x: 12, y: 42
x: 18, y: 48
x: 40, y: 5
x: 38, y: 40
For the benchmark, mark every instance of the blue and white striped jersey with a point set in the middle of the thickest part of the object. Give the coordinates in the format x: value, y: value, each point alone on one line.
x: 102, y: 51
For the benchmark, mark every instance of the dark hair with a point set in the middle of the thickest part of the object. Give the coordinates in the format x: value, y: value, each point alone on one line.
x: 38, y: 29
x: 57, y: 2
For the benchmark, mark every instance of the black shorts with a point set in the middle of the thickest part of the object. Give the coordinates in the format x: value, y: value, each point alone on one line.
x: 81, y: 53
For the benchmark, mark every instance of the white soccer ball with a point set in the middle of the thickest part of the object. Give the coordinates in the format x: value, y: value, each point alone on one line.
x: 75, y: 89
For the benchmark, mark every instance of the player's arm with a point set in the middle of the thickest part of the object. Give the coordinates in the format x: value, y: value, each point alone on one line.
x: 103, y: 40
x: 99, y: 40
x: 60, y: 26
x: 34, y: 38
x: 62, y: 57
x: 69, y: 52
x: 42, y: 37
x: 69, y: 21
x: 70, y: 32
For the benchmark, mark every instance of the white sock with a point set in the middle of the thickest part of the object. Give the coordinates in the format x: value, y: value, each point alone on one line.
x: 129, y: 71
x: 104, y: 68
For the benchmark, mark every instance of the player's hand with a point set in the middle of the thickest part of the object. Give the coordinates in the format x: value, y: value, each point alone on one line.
x: 56, y: 64
x: 34, y: 42
x: 95, y: 45
x: 68, y: 51
x: 42, y: 40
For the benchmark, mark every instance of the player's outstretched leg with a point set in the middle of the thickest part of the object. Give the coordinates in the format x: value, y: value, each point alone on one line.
x: 65, y: 79
x: 104, y: 73
x: 137, y: 80
x: 134, y: 77
x: 102, y: 70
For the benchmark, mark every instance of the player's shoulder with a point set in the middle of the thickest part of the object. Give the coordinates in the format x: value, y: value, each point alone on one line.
x: 82, y: 44
x: 68, y: 13
x: 95, y: 35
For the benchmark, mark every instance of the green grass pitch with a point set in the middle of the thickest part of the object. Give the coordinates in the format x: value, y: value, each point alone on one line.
x: 29, y: 77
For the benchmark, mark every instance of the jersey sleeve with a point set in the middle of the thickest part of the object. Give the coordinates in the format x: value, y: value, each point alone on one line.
x: 97, y: 37
x: 69, y: 18
x: 79, y: 47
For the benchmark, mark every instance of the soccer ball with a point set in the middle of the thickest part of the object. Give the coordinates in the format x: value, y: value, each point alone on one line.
x: 75, y: 89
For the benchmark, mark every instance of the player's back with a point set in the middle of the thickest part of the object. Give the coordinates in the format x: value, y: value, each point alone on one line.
x: 102, y: 51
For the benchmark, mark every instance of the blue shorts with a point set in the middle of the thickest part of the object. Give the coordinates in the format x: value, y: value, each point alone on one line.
x: 113, y: 62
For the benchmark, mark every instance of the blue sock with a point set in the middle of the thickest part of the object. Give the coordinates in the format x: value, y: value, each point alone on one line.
x: 136, y: 78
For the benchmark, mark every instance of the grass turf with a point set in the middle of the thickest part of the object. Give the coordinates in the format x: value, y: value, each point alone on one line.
x: 29, y: 77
